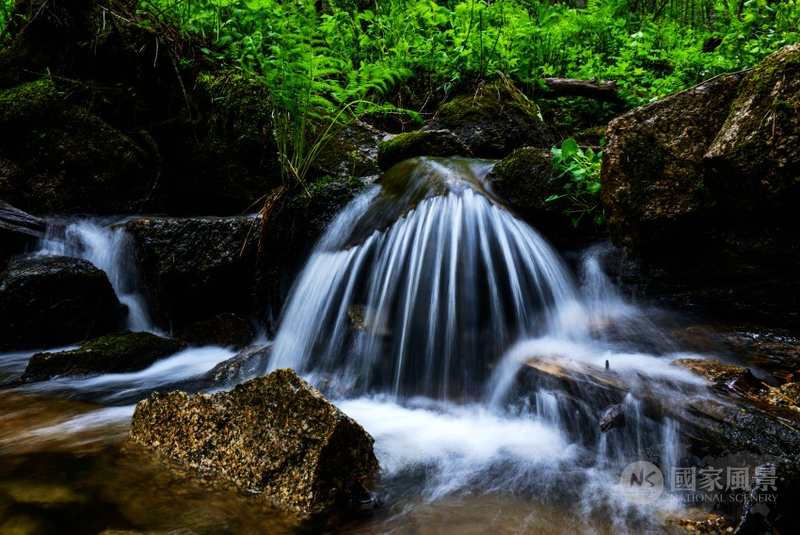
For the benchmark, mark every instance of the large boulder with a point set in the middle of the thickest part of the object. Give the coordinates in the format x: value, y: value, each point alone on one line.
x: 113, y: 353
x: 713, y: 174
x: 226, y: 329
x: 755, y: 157
x: 195, y: 268
x: 53, y: 300
x: 653, y: 171
x: 494, y: 120
x: 275, y: 436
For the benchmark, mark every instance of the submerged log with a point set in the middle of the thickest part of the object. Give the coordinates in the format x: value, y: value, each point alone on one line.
x: 604, y: 90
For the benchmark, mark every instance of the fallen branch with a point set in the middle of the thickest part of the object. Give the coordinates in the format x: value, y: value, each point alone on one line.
x: 604, y: 90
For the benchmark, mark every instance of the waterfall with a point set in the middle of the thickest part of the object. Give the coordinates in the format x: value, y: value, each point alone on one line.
x: 109, y: 249
x: 423, y: 304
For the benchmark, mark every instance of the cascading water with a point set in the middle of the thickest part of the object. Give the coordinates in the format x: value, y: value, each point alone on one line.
x: 423, y: 304
x: 429, y: 310
x: 108, y: 249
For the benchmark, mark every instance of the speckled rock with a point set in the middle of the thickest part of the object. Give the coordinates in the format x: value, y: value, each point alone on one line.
x: 54, y: 300
x: 275, y: 436
x: 114, y: 353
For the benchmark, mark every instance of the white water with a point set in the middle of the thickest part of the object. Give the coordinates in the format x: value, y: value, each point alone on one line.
x: 108, y: 249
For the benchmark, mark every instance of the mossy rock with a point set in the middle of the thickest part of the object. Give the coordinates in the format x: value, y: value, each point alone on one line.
x: 350, y: 150
x: 31, y: 101
x: 653, y: 174
x: 115, y: 353
x: 420, y: 143
x: 494, y: 120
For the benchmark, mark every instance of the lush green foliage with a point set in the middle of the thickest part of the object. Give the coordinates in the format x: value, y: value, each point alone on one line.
x: 582, y: 189
x: 651, y: 47
x: 5, y: 12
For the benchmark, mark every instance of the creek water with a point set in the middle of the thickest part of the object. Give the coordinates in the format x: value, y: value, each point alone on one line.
x: 450, y: 329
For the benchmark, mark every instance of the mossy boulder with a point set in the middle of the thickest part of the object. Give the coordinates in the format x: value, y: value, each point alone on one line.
x: 195, y: 268
x: 114, y: 353
x: 420, y: 143
x: 53, y: 300
x: 713, y: 174
x: 275, y: 437
x: 494, y: 120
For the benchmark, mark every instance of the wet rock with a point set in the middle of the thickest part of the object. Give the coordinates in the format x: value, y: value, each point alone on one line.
x: 439, y: 142
x: 53, y: 300
x: 226, y: 329
x: 494, y: 120
x: 115, y: 353
x: 612, y: 417
x: 275, y: 436
x: 195, y: 268
x: 19, y: 231
x: 293, y: 227
x: 245, y: 364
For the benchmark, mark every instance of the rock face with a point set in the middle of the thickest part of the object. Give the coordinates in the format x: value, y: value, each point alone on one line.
x: 53, y: 300
x: 195, y: 268
x: 420, y: 143
x: 713, y: 173
x: 114, y: 353
x: 276, y: 436
x: 351, y: 151
x: 493, y: 121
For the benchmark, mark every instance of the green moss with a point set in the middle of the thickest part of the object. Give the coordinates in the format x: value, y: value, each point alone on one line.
x: 28, y: 101
x: 486, y: 103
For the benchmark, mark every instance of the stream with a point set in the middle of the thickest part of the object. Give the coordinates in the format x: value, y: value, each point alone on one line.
x: 477, y: 358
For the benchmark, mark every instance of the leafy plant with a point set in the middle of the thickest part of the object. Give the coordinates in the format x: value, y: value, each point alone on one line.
x: 582, y: 189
